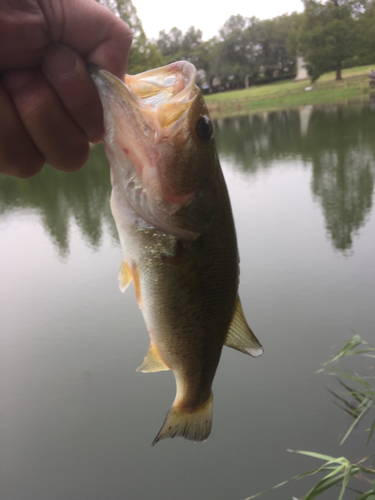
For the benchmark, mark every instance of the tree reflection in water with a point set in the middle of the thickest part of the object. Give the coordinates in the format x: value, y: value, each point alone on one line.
x: 59, y: 198
x: 337, y: 142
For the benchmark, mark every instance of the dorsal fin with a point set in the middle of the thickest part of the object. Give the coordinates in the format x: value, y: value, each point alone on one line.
x: 152, y: 361
x: 240, y: 336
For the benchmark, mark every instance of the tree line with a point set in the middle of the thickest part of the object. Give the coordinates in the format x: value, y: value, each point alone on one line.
x: 329, y: 35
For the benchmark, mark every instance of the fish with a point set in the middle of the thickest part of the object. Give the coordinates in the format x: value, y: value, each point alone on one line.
x: 174, y: 219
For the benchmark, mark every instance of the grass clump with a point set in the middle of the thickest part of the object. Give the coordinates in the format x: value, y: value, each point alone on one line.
x: 339, y: 470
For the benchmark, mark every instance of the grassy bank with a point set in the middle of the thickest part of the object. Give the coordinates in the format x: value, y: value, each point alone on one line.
x: 353, y: 87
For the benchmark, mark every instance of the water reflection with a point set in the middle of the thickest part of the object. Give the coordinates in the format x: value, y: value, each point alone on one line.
x: 59, y: 197
x: 337, y: 142
x: 343, y: 170
x: 255, y: 141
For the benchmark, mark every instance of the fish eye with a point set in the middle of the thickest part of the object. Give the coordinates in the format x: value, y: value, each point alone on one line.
x: 203, y: 128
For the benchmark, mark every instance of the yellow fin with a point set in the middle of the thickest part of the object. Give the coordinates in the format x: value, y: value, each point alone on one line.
x: 240, y: 336
x: 124, y: 276
x: 194, y: 424
x: 137, y: 285
x: 152, y: 362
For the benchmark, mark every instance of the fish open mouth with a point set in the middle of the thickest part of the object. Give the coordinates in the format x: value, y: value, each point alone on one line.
x: 169, y: 90
x: 146, y: 125
x: 161, y: 97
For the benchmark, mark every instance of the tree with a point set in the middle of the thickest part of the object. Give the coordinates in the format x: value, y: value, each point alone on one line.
x: 144, y: 55
x: 170, y: 44
x: 366, y: 37
x: 247, y: 44
x: 275, y: 37
x: 175, y: 46
x: 328, y: 35
x: 237, y: 51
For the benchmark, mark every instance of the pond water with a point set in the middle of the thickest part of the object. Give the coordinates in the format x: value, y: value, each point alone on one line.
x: 77, y: 421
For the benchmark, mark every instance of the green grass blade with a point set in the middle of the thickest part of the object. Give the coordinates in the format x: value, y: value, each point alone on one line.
x: 372, y: 429
x: 280, y: 484
x: 328, y: 482
x: 366, y: 351
x: 347, y: 350
x: 322, y: 486
x: 347, y: 406
x: 347, y: 475
x: 361, y: 413
x: 368, y: 495
x: 320, y: 456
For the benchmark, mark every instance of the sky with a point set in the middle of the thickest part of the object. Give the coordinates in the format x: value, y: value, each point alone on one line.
x: 208, y: 16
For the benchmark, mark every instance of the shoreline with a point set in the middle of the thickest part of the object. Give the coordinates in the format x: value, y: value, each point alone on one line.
x: 352, y: 89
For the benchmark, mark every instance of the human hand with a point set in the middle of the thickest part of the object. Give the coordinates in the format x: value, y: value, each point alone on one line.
x: 49, y: 107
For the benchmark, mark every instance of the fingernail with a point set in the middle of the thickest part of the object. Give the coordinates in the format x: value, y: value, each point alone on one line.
x: 59, y: 61
x: 16, y: 78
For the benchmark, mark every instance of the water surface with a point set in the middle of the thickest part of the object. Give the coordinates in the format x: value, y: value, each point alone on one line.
x: 77, y: 420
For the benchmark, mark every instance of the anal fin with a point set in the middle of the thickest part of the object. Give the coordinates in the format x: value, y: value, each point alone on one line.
x: 240, y: 336
x: 152, y: 362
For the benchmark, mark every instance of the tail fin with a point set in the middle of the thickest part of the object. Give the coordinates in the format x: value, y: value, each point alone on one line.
x: 191, y: 424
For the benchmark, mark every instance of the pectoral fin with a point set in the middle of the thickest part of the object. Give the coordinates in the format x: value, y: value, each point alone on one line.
x: 124, y: 276
x: 152, y: 362
x: 240, y: 336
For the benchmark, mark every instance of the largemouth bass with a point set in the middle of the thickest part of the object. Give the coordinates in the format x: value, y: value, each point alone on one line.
x: 174, y: 219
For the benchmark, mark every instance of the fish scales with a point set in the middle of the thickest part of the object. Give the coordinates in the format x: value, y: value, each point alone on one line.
x: 174, y: 219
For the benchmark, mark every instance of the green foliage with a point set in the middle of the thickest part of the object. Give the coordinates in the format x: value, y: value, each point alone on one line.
x: 237, y: 50
x: 340, y: 470
x: 144, y: 55
x: 336, y: 34
x: 175, y: 46
x: 170, y: 44
x: 254, y: 48
x: 144, y: 58
x: 366, y: 38
x: 242, y: 47
x: 361, y: 390
x: 276, y: 39
x: 330, y: 35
